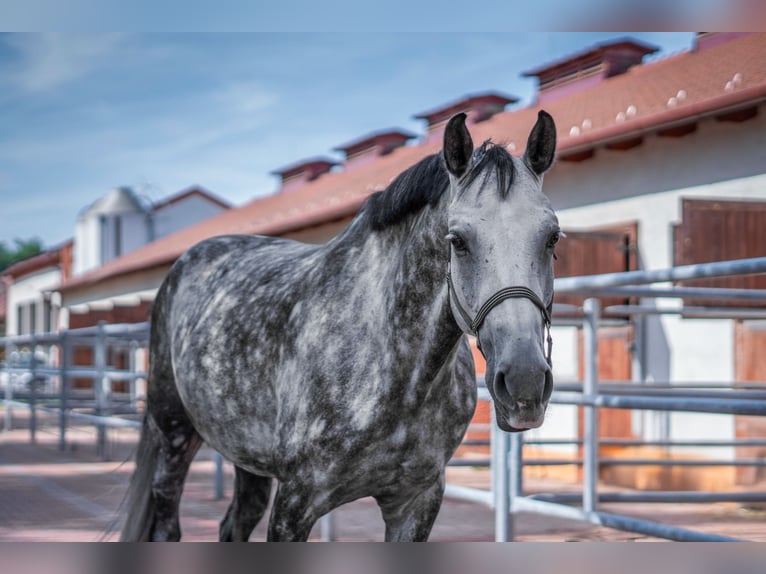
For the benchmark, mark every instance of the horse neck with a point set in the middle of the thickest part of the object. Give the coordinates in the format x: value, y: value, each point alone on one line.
x: 409, y: 265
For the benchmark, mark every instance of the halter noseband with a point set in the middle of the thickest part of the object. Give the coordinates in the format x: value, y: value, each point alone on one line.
x: 515, y: 292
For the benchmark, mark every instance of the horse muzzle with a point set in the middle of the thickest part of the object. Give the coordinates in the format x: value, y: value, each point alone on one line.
x: 521, y: 395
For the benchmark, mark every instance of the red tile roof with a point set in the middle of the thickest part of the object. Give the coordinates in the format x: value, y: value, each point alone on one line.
x: 649, y: 97
x: 49, y: 258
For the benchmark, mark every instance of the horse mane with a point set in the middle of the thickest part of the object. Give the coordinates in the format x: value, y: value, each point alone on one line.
x: 425, y: 182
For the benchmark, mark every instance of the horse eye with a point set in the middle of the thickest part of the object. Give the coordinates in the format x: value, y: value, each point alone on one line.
x: 457, y: 243
x: 554, y: 239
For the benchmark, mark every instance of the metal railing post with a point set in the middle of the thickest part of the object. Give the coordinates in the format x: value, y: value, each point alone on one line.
x: 218, y: 476
x: 327, y: 527
x: 99, y: 382
x: 133, y: 368
x: 516, y: 478
x: 66, y: 359
x: 8, y: 422
x: 591, y: 307
x: 500, y: 486
x: 33, y: 391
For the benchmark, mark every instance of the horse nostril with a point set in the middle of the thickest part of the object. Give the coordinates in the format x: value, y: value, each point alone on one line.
x: 548, y: 386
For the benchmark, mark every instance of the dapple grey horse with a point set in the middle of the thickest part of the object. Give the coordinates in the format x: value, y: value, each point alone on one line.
x: 341, y: 370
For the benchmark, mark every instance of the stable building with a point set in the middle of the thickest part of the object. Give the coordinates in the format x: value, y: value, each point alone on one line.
x: 660, y: 162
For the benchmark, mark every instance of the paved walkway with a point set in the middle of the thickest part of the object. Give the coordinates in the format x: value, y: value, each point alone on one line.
x: 50, y: 495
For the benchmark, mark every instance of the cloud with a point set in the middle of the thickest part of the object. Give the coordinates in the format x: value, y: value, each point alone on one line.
x: 50, y: 60
x: 246, y: 97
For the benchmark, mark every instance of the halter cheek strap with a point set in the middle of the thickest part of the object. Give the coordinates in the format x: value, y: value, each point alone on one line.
x: 515, y: 292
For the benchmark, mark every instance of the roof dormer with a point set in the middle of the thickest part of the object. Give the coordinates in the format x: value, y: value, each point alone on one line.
x: 298, y: 174
x: 588, y: 68
x: 478, y: 107
x: 365, y: 149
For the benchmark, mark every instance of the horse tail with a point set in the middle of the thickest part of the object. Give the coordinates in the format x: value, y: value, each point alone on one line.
x: 139, y: 499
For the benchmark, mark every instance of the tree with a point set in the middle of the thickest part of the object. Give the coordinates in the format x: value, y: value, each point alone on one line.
x: 24, y: 248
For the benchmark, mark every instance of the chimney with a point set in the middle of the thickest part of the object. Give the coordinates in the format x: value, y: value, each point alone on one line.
x: 478, y: 107
x: 298, y: 174
x: 365, y: 149
x: 586, y: 69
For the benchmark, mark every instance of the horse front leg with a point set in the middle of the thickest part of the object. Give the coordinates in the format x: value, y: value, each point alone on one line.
x: 251, y: 497
x: 411, y: 519
x: 294, y: 513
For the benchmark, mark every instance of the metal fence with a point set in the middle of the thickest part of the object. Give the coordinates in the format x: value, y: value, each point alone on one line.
x: 45, y: 382
x: 99, y: 405
x: 507, y: 496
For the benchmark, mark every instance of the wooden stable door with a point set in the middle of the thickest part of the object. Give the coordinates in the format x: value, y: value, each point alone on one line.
x: 614, y: 364
x: 750, y: 366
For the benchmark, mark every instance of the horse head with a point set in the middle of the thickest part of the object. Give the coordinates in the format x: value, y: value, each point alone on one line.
x: 503, y: 232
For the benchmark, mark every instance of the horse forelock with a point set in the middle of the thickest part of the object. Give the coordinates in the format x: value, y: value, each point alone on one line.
x: 425, y: 182
x: 491, y: 155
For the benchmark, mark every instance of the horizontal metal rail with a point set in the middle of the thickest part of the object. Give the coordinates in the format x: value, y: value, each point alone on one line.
x: 638, y: 390
x: 690, y: 497
x: 742, y: 442
x: 469, y: 494
x: 538, y: 504
x: 716, y: 406
x: 625, y: 523
x: 113, y: 331
x: 112, y: 422
x: 470, y: 462
x: 686, y: 311
x: 80, y: 372
x: 715, y: 293
x: 606, y: 461
x: 592, y: 283
x: 638, y: 387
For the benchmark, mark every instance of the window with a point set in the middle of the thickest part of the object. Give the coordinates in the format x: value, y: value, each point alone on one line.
x: 32, y: 318
x: 20, y: 326
x: 47, y: 315
x: 117, y: 236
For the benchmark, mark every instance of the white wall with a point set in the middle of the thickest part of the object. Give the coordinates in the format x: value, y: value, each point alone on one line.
x: 29, y: 289
x: 175, y: 216
x: 87, y: 245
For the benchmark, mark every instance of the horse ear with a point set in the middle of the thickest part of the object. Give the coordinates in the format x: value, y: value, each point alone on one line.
x: 458, y: 145
x: 541, y: 145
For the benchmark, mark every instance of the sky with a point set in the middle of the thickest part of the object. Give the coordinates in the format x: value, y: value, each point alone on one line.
x: 82, y: 113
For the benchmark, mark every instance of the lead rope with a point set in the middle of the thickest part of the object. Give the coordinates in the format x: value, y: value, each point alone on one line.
x: 515, y: 292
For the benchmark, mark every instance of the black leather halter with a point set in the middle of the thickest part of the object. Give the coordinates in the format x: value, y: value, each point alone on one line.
x: 515, y: 292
